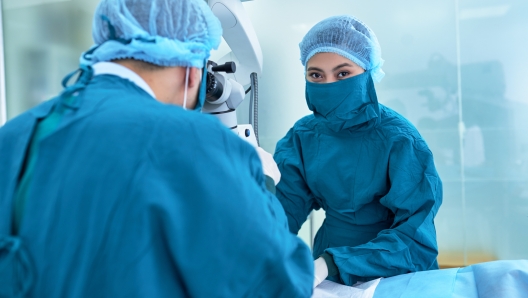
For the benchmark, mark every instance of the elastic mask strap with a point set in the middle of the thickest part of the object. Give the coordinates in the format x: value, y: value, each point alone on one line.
x: 185, y: 92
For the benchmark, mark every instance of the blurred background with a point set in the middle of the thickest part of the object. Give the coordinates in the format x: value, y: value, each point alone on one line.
x: 457, y: 69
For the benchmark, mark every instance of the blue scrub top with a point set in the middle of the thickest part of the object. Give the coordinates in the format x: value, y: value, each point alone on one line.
x: 129, y: 197
x: 379, y: 187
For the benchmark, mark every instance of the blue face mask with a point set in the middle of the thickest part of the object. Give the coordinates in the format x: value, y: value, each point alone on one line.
x: 345, y: 104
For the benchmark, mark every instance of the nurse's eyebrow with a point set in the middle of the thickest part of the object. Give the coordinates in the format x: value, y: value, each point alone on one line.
x: 341, y: 65
x: 314, y: 68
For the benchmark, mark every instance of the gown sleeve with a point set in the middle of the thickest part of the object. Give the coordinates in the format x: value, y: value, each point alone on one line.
x: 292, y: 191
x: 226, y: 233
x: 409, y: 245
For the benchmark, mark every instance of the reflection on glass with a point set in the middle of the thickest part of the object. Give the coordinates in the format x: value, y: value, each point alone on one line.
x: 43, y: 41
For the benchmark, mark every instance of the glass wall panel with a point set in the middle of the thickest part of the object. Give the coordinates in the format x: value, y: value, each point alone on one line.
x: 495, y: 109
x: 43, y: 40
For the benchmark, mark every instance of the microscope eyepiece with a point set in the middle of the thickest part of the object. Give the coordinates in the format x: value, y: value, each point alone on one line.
x: 228, y: 67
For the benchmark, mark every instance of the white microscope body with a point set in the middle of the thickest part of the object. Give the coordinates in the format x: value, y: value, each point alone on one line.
x: 225, y: 83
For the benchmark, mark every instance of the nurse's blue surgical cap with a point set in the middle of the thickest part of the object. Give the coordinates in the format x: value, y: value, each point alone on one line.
x: 346, y: 36
x: 162, y: 32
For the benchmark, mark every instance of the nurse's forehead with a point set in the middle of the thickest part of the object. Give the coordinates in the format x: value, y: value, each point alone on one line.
x: 329, y: 61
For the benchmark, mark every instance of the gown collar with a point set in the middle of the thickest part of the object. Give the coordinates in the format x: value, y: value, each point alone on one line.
x: 110, y: 68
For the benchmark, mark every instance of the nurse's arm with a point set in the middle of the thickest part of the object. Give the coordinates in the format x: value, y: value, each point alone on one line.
x: 292, y: 191
x: 409, y: 245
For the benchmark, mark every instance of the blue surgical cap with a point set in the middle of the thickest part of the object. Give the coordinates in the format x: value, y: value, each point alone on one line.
x: 346, y: 36
x: 162, y: 32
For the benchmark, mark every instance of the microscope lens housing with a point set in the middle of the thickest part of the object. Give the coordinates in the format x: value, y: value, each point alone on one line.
x: 218, y: 84
x: 214, y: 88
x: 223, y: 94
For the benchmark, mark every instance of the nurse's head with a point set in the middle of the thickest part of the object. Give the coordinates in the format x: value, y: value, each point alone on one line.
x: 338, y: 48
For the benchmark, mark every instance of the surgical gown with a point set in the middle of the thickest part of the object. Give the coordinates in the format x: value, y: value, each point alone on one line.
x: 130, y: 197
x: 379, y: 187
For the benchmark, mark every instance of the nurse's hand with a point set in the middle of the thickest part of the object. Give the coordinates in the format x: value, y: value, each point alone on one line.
x: 269, y: 165
x: 320, y: 271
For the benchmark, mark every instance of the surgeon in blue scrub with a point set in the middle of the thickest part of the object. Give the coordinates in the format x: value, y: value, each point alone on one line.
x: 119, y: 187
x: 360, y: 161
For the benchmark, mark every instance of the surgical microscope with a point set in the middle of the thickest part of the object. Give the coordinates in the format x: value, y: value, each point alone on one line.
x: 241, y: 67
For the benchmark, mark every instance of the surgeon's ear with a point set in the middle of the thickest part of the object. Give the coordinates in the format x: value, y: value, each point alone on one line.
x: 195, y: 77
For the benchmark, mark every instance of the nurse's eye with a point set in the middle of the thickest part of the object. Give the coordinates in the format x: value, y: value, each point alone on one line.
x: 315, y: 76
x: 343, y: 74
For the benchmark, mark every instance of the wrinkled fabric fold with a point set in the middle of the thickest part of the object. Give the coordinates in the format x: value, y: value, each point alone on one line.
x: 17, y: 272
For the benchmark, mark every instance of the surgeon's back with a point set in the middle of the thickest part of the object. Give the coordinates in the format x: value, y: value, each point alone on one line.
x: 134, y: 198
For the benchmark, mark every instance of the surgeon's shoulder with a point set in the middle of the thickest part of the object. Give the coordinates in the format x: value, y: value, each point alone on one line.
x: 306, y: 123
x: 291, y: 141
x: 190, y: 130
x: 396, y: 128
x: 14, y: 126
x: 300, y: 127
x: 195, y: 124
x: 25, y: 120
x: 395, y: 125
